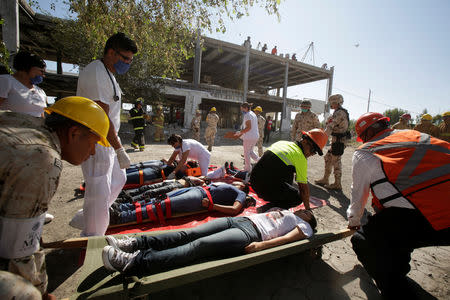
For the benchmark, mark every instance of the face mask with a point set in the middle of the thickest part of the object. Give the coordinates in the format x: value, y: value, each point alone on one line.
x: 245, y: 112
x: 304, y: 109
x: 121, y: 67
x: 37, y: 79
x: 176, y: 148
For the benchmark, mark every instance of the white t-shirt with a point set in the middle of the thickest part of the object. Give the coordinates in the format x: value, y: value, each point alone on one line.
x: 253, y: 133
x: 21, y: 99
x: 277, y: 223
x: 95, y: 84
x: 196, y: 150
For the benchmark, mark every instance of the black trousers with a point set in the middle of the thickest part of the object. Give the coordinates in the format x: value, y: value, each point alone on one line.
x: 266, y: 136
x: 139, y: 137
x: 272, y: 180
x: 384, y: 246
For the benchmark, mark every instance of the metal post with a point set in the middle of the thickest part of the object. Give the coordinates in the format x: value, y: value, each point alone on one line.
x: 329, y: 90
x: 197, y: 60
x: 368, y: 101
x: 9, y: 10
x: 246, y: 67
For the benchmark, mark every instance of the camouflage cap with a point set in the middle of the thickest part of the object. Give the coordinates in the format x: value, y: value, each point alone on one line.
x: 336, y: 98
x: 306, y: 103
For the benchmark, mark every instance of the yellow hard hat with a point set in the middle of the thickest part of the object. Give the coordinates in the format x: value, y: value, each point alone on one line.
x: 258, y: 108
x: 213, y: 109
x: 427, y: 117
x: 86, y: 112
x: 446, y: 114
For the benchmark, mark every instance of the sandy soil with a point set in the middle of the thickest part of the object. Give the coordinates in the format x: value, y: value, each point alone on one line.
x: 338, y: 275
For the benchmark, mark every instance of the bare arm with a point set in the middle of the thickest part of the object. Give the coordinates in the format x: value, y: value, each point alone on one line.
x: 171, y: 159
x: 294, y: 235
x: 112, y: 135
x: 303, y: 191
x: 181, y: 162
x: 226, y: 209
x: 248, y: 127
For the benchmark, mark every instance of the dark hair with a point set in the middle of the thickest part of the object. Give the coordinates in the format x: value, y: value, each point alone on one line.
x: 24, y: 61
x: 120, y: 41
x: 55, y: 122
x: 174, y: 138
x: 247, y: 105
x: 313, y: 221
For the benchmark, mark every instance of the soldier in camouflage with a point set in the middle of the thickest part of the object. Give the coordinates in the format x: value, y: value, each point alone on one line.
x: 337, y: 126
x: 403, y: 123
x: 158, y: 122
x: 426, y: 126
x: 210, y: 133
x: 304, y: 121
x: 195, y: 125
x: 261, y: 123
x: 444, y: 127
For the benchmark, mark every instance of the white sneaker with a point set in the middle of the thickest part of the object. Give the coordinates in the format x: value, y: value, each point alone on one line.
x: 126, y: 244
x: 117, y: 260
x: 48, y: 218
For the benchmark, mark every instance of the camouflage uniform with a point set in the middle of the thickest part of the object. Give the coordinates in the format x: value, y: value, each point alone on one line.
x: 158, y: 121
x: 428, y: 128
x: 30, y: 167
x: 259, y: 144
x: 444, y: 132
x: 304, y: 121
x: 337, y: 127
x: 210, y: 133
x: 195, y: 126
x: 401, y: 125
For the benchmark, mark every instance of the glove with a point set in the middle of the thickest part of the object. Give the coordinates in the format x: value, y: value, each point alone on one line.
x: 123, y: 158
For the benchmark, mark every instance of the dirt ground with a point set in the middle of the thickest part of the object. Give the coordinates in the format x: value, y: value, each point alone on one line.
x: 337, y: 275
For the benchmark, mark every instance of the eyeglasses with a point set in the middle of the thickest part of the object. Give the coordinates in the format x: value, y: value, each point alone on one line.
x: 125, y: 58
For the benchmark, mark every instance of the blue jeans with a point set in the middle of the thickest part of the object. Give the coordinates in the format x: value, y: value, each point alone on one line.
x: 181, y: 201
x: 223, y: 237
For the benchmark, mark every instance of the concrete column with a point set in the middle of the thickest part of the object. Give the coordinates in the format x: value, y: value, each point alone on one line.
x: 197, y: 60
x: 329, y: 91
x: 9, y: 11
x: 191, y: 104
x: 285, y: 115
x: 246, y: 67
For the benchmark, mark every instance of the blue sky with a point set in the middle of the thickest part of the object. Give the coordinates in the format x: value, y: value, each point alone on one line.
x: 402, y: 55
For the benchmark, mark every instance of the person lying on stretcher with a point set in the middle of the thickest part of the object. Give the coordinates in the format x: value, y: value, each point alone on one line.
x: 157, y: 189
x: 222, y: 197
x: 220, y: 238
x: 147, y: 172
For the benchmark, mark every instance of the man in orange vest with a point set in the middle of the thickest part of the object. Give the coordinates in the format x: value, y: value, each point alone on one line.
x: 408, y: 174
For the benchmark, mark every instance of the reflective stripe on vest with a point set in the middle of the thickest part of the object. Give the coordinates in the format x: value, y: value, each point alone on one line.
x: 418, y: 166
x: 137, y: 117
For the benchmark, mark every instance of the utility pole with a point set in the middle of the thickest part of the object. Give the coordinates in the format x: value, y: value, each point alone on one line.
x: 368, y: 101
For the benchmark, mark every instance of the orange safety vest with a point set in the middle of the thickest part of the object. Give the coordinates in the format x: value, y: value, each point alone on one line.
x: 418, y: 166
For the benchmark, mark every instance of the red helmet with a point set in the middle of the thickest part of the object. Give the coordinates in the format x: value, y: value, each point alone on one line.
x: 367, y: 120
x: 319, y: 137
x: 406, y: 116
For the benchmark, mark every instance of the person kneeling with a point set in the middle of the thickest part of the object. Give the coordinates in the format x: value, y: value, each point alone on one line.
x: 223, y: 237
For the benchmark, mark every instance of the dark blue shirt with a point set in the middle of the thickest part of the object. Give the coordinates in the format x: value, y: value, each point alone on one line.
x: 226, y: 194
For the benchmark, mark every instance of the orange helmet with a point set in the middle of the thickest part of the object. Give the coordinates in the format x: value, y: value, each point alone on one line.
x: 319, y: 137
x: 367, y: 120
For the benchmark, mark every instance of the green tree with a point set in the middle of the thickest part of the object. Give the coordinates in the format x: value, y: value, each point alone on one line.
x: 4, y: 54
x: 164, y: 31
x: 394, y: 114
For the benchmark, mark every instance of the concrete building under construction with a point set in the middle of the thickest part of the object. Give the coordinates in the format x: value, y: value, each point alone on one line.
x: 221, y: 74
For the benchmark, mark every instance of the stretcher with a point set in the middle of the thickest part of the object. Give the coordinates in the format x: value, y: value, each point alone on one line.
x: 98, y: 283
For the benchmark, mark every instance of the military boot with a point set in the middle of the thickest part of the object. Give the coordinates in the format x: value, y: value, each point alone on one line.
x: 324, y: 181
x: 337, y: 183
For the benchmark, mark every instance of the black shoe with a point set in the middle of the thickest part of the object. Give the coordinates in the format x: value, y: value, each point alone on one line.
x: 265, y: 207
x: 226, y: 165
x: 232, y: 166
x: 114, y: 216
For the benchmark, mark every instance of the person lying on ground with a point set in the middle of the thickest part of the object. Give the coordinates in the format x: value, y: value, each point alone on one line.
x: 184, y: 149
x: 220, y: 238
x: 147, y: 172
x: 226, y: 198
x: 157, y: 189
